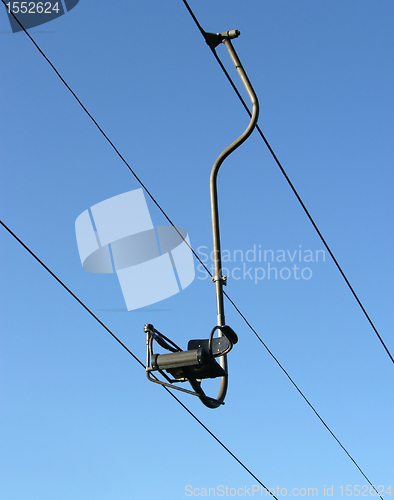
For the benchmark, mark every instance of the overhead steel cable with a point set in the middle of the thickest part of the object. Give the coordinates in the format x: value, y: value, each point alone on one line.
x: 70, y: 292
x: 289, y: 181
x: 108, y: 139
x: 302, y: 394
x: 172, y: 224
x: 134, y: 356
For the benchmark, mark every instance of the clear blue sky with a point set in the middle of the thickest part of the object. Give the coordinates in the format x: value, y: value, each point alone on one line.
x: 78, y: 418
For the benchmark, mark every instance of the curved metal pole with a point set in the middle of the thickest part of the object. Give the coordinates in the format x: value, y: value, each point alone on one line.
x: 218, y: 278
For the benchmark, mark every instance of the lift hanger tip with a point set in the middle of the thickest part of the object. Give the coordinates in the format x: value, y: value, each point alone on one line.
x: 215, y: 39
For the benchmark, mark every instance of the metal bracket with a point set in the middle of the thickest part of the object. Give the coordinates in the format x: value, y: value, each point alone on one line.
x: 215, y: 39
x: 223, y: 278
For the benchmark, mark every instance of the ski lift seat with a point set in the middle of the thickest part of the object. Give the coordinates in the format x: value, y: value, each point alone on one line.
x: 193, y: 365
x: 198, y: 363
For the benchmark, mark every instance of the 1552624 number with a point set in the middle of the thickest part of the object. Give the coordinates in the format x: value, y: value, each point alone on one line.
x: 364, y: 490
x: 32, y: 7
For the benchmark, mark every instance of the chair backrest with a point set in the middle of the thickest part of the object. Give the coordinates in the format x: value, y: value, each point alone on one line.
x: 219, y: 345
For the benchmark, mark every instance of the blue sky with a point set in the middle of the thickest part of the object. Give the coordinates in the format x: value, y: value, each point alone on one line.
x: 79, y: 419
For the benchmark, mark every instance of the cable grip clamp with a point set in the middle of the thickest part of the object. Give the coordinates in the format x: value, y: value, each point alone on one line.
x: 219, y: 278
